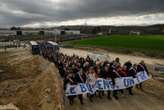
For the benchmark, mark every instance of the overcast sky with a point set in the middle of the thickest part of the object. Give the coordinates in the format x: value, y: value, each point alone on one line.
x: 36, y: 13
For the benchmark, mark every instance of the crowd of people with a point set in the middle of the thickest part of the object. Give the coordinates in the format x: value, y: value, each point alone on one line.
x: 75, y: 69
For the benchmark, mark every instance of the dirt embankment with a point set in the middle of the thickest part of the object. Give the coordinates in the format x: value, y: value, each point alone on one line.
x: 29, y: 82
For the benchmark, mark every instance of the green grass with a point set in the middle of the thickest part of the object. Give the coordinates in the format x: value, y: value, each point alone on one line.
x: 152, y: 44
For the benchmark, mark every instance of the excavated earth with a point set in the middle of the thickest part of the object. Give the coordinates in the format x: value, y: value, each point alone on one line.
x: 29, y: 82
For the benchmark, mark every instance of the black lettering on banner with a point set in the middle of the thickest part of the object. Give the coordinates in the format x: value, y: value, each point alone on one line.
x: 72, y: 90
x: 99, y: 85
x: 106, y: 84
x: 90, y: 88
x: 128, y: 82
x: 143, y: 75
x: 83, y: 88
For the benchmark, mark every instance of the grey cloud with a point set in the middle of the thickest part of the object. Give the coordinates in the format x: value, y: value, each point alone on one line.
x: 73, y: 9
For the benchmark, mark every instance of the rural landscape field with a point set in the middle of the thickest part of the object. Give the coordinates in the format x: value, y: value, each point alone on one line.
x: 150, y: 45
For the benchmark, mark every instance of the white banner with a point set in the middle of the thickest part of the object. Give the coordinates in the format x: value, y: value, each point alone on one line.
x: 101, y: 57
x: 105, y: 85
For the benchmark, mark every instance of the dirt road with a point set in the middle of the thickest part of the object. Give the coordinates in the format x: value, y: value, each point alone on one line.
x: 152, y: 98
x: 139, y: 101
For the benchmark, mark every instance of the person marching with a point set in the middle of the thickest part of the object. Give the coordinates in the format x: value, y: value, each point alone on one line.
x: 70, y: 79
x: 107, y: 76
x: 132, y: 73
x: 61, y: 68
x: 80, y: 77
x: 121, y: 71
x: 101, y: 74
x: 91, y: 79
x: 141, y: 67
x: 113, y: 75
x: 128, y: 65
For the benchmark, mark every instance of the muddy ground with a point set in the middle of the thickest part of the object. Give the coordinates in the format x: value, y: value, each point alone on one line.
x: 29, y: 82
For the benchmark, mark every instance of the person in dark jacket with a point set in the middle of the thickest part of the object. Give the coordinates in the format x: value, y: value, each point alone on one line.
x: 117, y: 61
x: 80, y: 77
x: 107, y: 75
x: 70, y: 79
x: 141, y: 67
x: 61, y: 69
x: 99, y: 69
x: 121, y: 72
x: 113, y: 75
x: 128, y: 65
x: 132, y: 73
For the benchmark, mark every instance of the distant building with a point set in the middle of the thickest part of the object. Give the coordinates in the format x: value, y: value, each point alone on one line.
x: 7, y: 33
x: 72, y: 32
x: 38, y: 32
x: 52, y: 32
x: 135, y: 33
x: 30, y: 32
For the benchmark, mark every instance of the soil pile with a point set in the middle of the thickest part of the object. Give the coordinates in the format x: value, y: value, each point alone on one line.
x: 29, y: 82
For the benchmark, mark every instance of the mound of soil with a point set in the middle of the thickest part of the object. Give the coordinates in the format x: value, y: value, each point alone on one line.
x: 29, y: 82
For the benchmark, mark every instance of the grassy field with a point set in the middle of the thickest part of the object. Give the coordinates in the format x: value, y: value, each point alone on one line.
x: 151, y: 45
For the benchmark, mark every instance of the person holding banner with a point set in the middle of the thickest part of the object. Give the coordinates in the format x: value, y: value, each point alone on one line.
x: 132, y: 73
x: 128, y: 65
x: 85, y: 76
x: 122, y: 72
x: 141, y: 67
x: 106, y: 75
x: 101, y: 74
x: 117, y: 61
x: 113, y: 74
x: 80, y: 77
x: 91, y: 79
x: 70, y: 80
